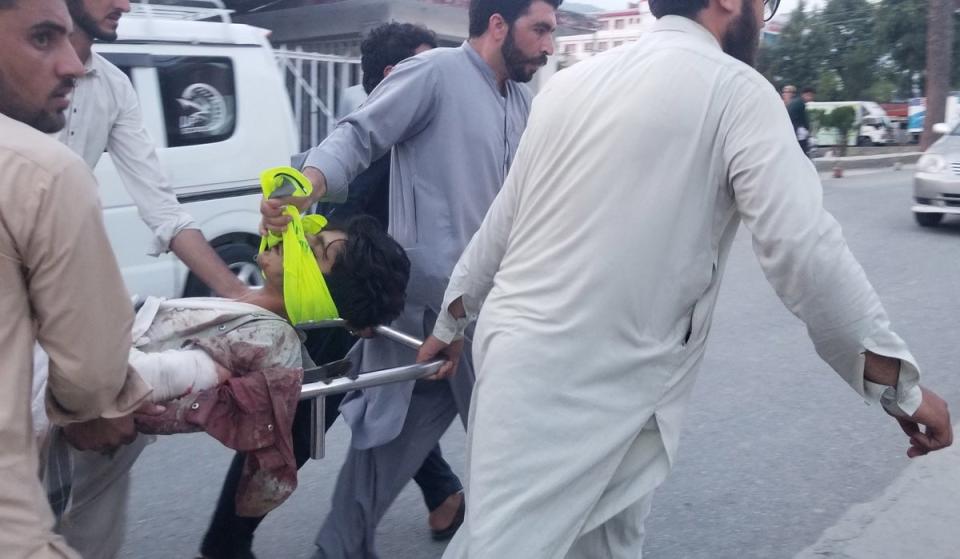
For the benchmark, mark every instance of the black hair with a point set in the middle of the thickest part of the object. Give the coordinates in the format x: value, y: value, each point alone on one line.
x: 368, y: 279
x: 685, y: 8
x: 808, y: 89
x: 6, y: 4
x: 388, y: 44
x: 510, y: 10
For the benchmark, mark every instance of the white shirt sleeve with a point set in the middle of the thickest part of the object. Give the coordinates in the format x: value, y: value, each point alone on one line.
x: 801, y: 247
x: 472, y: 277
x: 135, y: 157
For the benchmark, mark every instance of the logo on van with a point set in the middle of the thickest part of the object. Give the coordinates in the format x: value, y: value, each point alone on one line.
x: 203, y: 111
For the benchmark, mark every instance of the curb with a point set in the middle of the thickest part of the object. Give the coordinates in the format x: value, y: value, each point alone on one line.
x: 866, y: 161
x: 915, y: 516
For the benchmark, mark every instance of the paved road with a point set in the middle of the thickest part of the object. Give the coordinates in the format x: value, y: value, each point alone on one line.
x: 776, y: 448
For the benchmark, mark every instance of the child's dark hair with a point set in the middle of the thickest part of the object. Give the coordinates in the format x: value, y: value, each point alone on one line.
x: 368, y: 280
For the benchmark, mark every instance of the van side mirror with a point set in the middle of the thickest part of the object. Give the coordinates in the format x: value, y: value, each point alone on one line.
x: 941, y: 128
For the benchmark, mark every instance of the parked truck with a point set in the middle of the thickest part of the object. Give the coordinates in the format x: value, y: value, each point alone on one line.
x: 917, y: 112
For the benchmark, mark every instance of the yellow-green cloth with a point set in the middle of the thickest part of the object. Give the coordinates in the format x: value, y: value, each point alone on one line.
x: 305, y: 294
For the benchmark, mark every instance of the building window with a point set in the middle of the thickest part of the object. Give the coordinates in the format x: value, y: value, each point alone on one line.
x: 601, y: 46
x: 617, y: 43
x: 618, y: 24
x: 569, y: 48
x: 588, y: 47
x: 605, y: 24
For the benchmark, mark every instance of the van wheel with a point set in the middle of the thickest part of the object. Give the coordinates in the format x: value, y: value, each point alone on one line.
x: 928, y: 219
x: 864, y: 141
x: 241, y: 258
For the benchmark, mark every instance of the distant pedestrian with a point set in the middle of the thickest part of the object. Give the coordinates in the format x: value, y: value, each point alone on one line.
x: 788, y: 93
x: 797, y: 109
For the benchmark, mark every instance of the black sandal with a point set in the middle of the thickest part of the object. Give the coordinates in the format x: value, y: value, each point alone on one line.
x: 449, y: 531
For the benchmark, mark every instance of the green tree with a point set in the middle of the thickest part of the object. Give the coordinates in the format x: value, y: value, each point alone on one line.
x: 855, y: 49
x: 798, y: 55
x: 842, y: 119
x: 830, y: 86
x: 847, y: 28
x: 902, y: 31
x: 883, y: 90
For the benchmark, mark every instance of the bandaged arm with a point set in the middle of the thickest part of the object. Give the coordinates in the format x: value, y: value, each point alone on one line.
x: 176, y: 372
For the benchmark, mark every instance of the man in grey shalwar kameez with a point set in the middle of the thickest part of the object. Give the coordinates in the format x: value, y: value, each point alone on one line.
x: 453, y: 117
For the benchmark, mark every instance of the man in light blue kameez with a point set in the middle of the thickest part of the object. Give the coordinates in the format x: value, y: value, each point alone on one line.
x: 453, y: 118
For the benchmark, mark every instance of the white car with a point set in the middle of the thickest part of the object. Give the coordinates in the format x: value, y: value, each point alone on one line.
x: 936, y: 184
x: 214, y: 101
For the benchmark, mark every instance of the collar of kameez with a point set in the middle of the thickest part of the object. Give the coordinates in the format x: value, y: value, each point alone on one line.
x: 482, y: 65
x: 306, y: 297
x: 685, y: 25
x: 91, y: 66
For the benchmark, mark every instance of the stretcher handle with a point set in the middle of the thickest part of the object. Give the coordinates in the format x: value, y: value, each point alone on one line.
x: 385, y: 331
x: 316, y: 392
x: 373, y: 378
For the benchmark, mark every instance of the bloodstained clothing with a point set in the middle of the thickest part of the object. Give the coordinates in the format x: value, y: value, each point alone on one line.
x: 252, y: 412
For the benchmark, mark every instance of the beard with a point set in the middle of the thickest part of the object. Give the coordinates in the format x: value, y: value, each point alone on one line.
x: 48, y: 122
x: 742, y: 39
x: 14, y: 106
x: 86, y: 22
x: 517, y: 62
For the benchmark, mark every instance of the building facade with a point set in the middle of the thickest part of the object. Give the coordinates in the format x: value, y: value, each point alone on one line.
x: 613, y: 29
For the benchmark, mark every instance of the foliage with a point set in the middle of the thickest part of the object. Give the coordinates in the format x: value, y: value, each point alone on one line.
x: 830, y: 86
x: 815, y: 116
x: 854, y: 50
x: 841, y: 119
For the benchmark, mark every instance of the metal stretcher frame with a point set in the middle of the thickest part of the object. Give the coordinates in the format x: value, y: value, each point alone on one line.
x: 316, y: 392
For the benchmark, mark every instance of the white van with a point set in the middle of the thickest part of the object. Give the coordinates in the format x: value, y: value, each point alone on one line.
x: 214, y: 101
x: 872, y: 126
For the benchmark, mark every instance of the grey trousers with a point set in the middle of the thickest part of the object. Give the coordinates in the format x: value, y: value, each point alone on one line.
x: 371, y: 479
x: 89, y: 493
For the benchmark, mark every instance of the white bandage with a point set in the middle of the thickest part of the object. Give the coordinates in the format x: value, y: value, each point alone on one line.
x: 175, y: 372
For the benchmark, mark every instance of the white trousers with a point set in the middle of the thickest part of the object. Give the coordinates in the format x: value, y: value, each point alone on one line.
x: 568, y: 510
x: 89, y: 493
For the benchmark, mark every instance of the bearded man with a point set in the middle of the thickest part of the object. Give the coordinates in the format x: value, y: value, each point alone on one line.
x: 453, y: 118
x: 598, y: 267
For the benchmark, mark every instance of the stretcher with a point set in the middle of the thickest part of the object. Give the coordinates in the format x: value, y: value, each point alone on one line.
x: 339, y: 377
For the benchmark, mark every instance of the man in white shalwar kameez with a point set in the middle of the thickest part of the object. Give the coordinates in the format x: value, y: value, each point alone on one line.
x: 598, y: 267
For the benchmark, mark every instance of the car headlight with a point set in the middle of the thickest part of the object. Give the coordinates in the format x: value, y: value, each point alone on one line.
x: 931, y: 163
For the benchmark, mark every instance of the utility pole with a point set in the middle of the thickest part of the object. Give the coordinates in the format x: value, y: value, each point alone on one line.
x: 939, y: 53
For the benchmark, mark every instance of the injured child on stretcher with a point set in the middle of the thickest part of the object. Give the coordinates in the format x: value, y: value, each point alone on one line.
x: 365, y: 273
x: 234, y: 368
